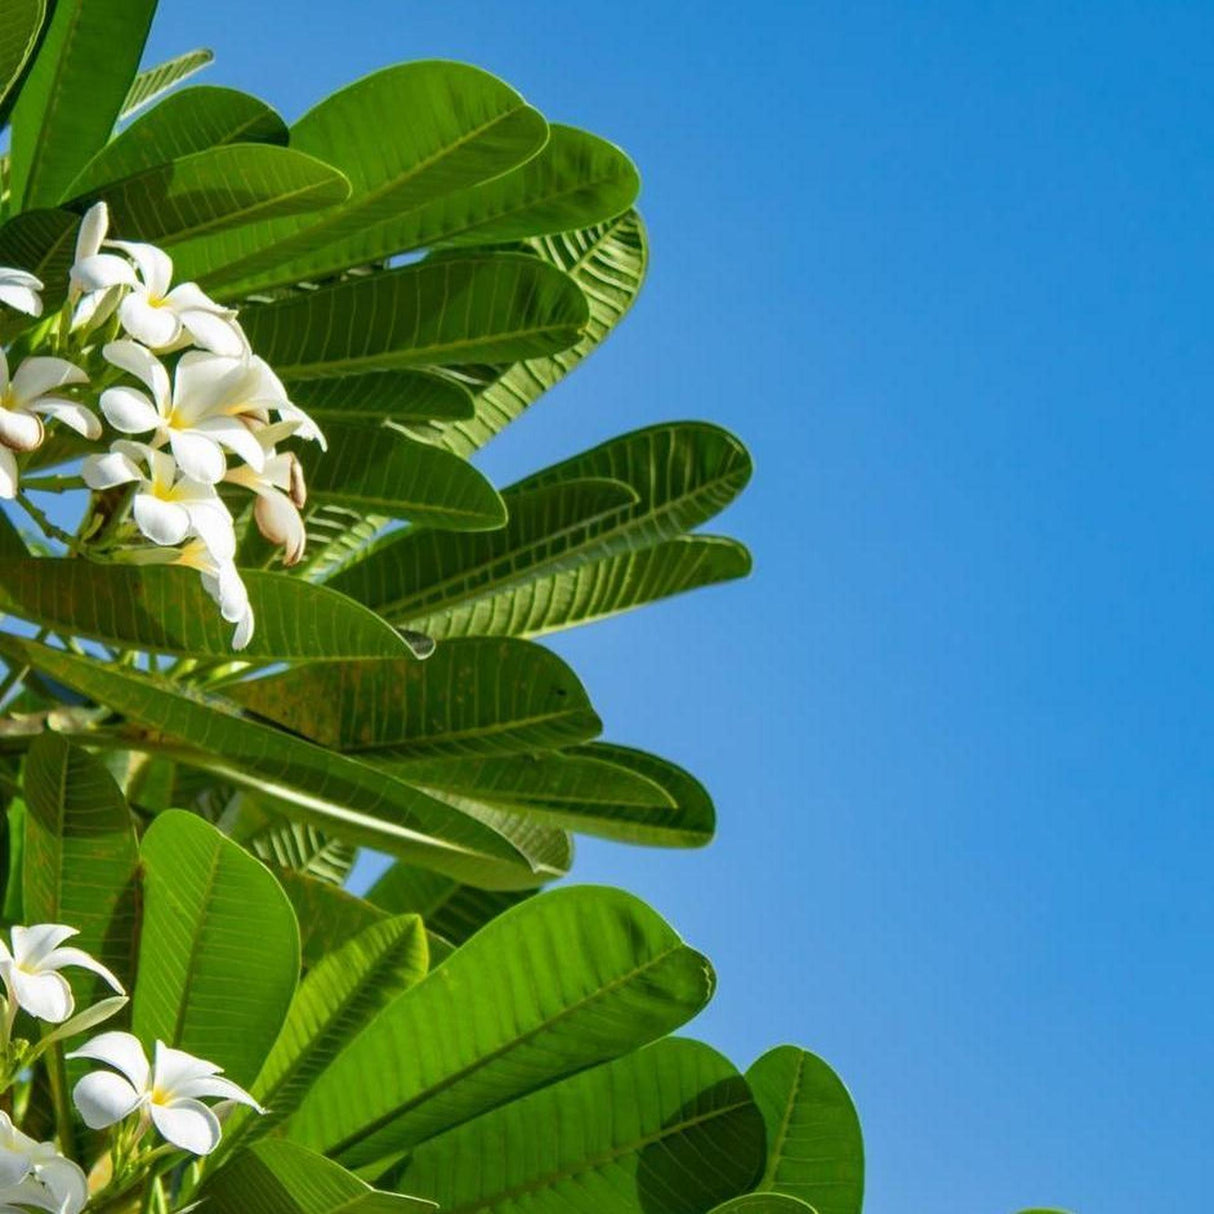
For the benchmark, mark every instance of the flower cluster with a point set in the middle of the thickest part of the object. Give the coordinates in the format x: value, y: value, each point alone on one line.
x: 135, y: 1096
x: 214, y: 416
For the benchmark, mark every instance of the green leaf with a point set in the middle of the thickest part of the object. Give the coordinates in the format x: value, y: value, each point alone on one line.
x: 284, y: 844
x: 279, y: 1178
x: 602, y: 790
x: 166, y: 609
x: 683, y: 474
x: 471, y: 698
x: 207, y: 983
x: 406, y: 395
x: 73, y: 93
x: 156, y: 81
x: 456, y: 912
x: 814, y: 1146
x: 19, y: 29
x: 445, y: 310
x: 764, y: 1203
x: 337, y: 1000
x: 404, y: 136
x: 595, y: 590
x: 81, y: 856
x: 607, y: 261
x: 15, y: 815
x: 379, y: 469
x: 419, y: 571
x: 12, y: 546
x: 215, y: 189
x: 672, y: 1128
x: 190, y: 121
x: 576, y: 180
x: 557, y: 983
x: 335, y: 793
x: 328, y: 916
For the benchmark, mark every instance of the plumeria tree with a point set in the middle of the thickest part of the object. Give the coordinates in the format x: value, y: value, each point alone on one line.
x: 262, y: 612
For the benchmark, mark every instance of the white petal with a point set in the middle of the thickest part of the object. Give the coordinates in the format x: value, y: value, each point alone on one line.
x: 68, y: 1185
x: 197, y: 456
x: 212, y: 332
x: 11, y: 276
x: 144, y: 365
x: 212, y: 523
x: 45, y: 996
x: 106, y: 471
x: 19, y: 430
x: 78, y: 957
x: 244, y: 630
x: 129, y: 410
x: 32, y: 944
x: 102, y: 271
x: 93, y: 227
x: 155, y: 265
x: 22, y: 299
x: 8, y: 474
x: 215, y: 1086
x: 122, y: 1051
x: 36, y: 376
x: 175, y: 1067
x: 155, y: 327
x: 204, y: 383
x: 164, y: 523
x: 89, y: 1018
x: 104, y: 1098
x: 187, y: 1124
x: 305, y: 427
x: 232, y: 433
x: 95, y: 308
x: 279, y: 521
x: 71, y: 413
x: 14, y: 1164
x: 29, y: 1192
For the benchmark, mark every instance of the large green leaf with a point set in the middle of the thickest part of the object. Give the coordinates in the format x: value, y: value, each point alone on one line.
x: 339, y: 998
x: 607, y: 261
x: 405, y: 395
x: 80, y: 855
x: 214, y: 189
x: 404, y: 136
x: 190, y: 121
x: 594, y: 590
x: 557, y: 983
x: 328, y: 916
x: 280, y: 1178
x: 576, y: 180
x: 73, y: 93
x: 19, y: 28
x: 814, y: 1147
x: 166, y: 609
x: 602, y: 790
x: 419, y: 571
x: 474, y: 305
x: 155, y: 81
x: 207, y: 982
x: 336, y: 793
x: 381, y: 470
x: 456, y: 912
x: 471, y: 698
x: 672, y: 1128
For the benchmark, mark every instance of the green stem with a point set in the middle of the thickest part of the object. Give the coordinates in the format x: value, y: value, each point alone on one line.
x: 57, y: 1074
x: 48, y: 528
x: 54, y: 484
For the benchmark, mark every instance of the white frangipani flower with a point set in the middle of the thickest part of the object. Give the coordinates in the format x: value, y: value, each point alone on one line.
x: 199, y: 416
x: 169, y: 1093
x: 96, y: 281
x: 222, y: 581
x: 281, y: 493
x: 26, y: 398
x: 168, y: 507
x: 19, y: 289
x: 152, y: 313
x: 30, y: 972
x: 30, y: 1170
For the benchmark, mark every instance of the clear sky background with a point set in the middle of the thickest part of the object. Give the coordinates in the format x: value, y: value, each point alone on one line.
x: 946, y: 268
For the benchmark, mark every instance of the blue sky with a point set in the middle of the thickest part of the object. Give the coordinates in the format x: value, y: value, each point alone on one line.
x: 946, y: 269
